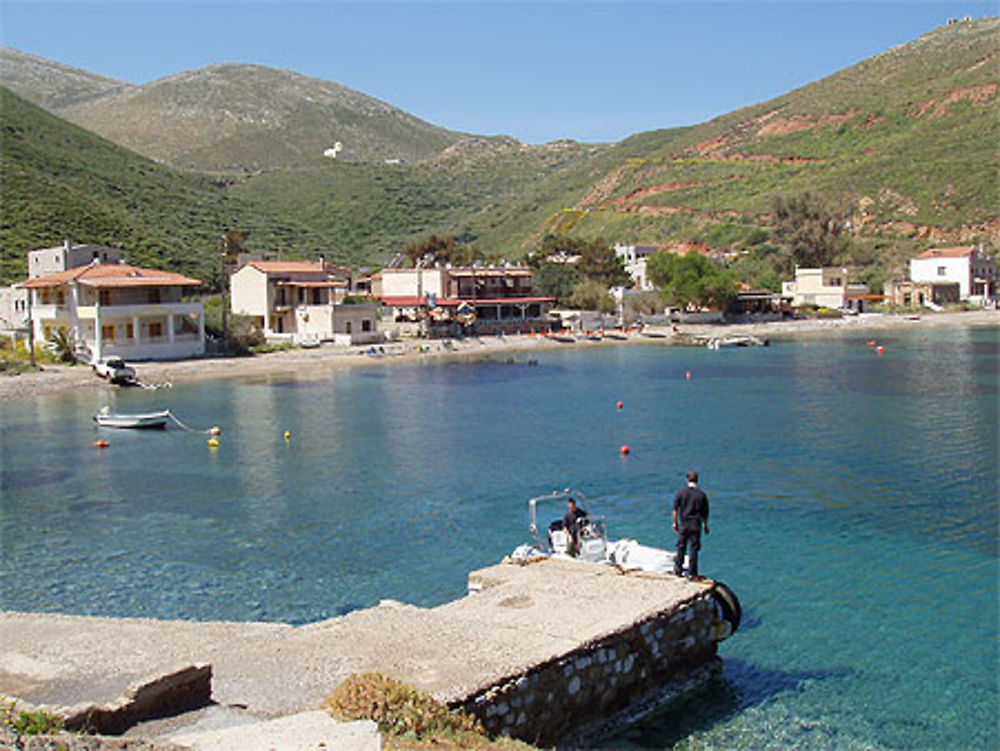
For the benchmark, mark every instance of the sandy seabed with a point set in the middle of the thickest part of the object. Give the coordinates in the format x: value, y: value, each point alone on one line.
x: 318, y: 362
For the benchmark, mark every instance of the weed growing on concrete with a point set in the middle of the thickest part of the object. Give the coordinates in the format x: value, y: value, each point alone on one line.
x: 396, y: 708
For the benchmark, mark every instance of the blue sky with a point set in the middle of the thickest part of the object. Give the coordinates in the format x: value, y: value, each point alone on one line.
x: 591, y: 71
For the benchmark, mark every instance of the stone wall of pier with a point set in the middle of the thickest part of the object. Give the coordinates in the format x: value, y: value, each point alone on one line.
x: 602, y: 678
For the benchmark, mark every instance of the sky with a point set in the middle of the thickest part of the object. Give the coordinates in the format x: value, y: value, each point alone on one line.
x: 538, y: 71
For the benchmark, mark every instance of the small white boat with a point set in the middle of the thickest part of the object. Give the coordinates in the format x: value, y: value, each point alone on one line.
x: 736, y: 341
x: 150, y: 420
x: 589, y: 543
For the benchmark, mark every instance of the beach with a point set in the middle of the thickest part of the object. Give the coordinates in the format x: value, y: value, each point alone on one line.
x: 317, y: 362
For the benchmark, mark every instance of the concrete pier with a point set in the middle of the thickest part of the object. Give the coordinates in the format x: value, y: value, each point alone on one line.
x: 533, y: 650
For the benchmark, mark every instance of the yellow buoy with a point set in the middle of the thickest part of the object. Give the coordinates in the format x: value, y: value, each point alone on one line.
x: 213, y: 442
x: 288, y: 435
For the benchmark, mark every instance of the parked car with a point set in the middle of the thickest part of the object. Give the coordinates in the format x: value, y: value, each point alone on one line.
x: 114, y: 369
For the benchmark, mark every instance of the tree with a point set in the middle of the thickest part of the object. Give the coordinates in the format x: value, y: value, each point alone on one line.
x: 599, y: 262
x: 556, y: 280
x: 692, y: 279
x: 592, y: 295
x: 809, y: 228
x: 442, y: 250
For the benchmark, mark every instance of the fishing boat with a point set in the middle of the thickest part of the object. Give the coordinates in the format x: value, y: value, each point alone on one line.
x: 735, y: 341
x: 149, y: 420
x: 591, y: 545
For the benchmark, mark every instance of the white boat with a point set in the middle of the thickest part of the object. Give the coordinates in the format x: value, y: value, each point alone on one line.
x: 150, y: 420
x: 593, y: 546
x: 736, y: 341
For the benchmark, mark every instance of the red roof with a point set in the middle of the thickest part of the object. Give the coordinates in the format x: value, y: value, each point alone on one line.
x: 958, y: 252
x: 111, y: 275
x: 289, y: 267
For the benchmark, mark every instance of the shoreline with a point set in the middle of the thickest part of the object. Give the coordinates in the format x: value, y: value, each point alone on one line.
x: 311, y: 363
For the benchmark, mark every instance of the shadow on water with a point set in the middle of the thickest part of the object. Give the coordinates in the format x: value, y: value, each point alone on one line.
x: 741, y: 686
x: 27, y: 479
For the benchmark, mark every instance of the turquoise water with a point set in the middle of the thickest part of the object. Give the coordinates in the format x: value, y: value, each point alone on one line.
x: 854, y: 502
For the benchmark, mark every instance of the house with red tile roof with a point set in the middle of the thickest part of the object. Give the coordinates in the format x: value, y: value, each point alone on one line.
x: 302, y: 302
x: 117, y: 309
x: 970, y: 267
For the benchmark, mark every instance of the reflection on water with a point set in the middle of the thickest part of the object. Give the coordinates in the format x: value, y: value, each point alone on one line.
x: 854, y: 501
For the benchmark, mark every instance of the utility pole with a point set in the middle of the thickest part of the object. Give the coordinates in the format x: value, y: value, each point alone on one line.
x: 31, y: 331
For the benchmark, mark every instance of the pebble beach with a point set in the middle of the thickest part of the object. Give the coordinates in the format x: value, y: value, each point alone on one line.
x: 302, y: 363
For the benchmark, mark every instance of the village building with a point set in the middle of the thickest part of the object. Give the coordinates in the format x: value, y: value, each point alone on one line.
x: 303, y: 302
x: 974, y: 271
x: 473, y: 299
x: 69, y: 255
x: 827, y: 287
x: 117, y: 309
x: 909, y: 294
x: 634, y: 258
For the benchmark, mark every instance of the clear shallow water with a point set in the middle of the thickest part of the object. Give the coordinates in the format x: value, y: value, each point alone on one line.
x: 855, y: 511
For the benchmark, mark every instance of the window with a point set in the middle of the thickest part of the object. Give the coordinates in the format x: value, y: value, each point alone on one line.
x: 366, y: 325
x: 155, y: 330
x: 104, y: 297
x: 129, y: 331
x: 108, y: 331
x: 942, y: 270
x: 153, y: 295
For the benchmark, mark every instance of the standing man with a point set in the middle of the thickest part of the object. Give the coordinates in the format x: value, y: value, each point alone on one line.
x: 690, y: 512
x: 571, y: 523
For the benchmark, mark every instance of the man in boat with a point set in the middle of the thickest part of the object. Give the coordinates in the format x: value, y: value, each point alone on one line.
x: 690, y: 512
x: 571, y: 523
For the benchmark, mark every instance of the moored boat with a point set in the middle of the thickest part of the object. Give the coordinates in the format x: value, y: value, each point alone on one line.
x: 589, y: 543
x: 148, y: 420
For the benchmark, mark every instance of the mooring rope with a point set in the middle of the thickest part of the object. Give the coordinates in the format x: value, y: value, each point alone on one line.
x: 210, y: 431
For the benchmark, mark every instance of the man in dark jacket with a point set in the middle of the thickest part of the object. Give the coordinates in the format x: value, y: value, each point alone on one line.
x: 690, y: 512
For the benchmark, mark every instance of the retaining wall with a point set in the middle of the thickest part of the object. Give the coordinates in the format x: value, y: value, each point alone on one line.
x: 551, y: 701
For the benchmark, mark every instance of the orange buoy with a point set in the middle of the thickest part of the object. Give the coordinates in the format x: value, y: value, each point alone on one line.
x: 626, y: 450
x: 688, y: 374
x: 102, y: 444
x: 872, y: 342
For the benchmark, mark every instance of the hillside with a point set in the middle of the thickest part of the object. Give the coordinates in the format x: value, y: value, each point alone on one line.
x: 904, y: 144
x: 61, y: 181
x: 905, y: 141
x: 50, y: 84
x: 233, y: 118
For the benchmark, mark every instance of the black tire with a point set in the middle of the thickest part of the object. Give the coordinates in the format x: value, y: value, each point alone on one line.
x: 729, y: 603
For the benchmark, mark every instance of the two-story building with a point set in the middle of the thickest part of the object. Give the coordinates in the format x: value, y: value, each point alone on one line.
x: 635, y: 258
x: 484, y: 299
x: 827, y: 287
x: 302, y: 302
x: 974, y: 271
x: 117, y: 309
x: 69, y: 255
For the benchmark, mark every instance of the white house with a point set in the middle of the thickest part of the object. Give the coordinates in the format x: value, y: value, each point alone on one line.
x: 117, y: 309
x: 300, y: 301
x: 826, y: 288
x: 14, y: 299
x: 635, y: 257
x: 974, y: 271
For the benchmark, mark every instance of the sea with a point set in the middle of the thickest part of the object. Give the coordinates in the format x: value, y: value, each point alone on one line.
x: 854, y: 510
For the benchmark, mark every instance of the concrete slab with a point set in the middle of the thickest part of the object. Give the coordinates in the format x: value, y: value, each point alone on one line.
x: 305, y: 731
x: 522, y: 616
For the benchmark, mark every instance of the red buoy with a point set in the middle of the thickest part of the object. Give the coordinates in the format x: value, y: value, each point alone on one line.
x: 626, y: 451
x: 881, y: 350
x: 102, y: 444
x: 689, y: 375
x: 619, y: 405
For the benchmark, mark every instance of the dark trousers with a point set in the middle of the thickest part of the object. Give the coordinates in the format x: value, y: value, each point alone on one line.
x: 688, y: 537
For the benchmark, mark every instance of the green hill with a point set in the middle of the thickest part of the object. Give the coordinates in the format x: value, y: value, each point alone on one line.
x: 61, y: 181
x: 903, y: 144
